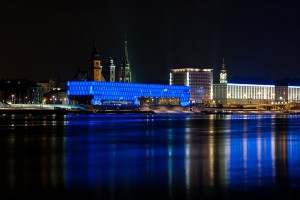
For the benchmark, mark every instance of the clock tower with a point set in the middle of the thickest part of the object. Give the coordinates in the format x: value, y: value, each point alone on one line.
x: 95, y: 68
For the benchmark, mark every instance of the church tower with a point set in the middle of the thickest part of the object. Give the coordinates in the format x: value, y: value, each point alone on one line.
x: 95, y: 68
x: 223, y: 74
x: 112, y: 70
x: 125, y: 72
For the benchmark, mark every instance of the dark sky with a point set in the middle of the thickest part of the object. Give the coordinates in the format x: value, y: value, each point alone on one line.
x: 259, y: 39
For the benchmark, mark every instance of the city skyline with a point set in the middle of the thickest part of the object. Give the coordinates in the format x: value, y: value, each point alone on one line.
x: 259, y: 40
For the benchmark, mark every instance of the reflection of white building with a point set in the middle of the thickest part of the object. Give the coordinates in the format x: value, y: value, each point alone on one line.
x: 199, y: 80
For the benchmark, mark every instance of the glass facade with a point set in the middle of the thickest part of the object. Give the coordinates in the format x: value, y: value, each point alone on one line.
x: 129, y: 92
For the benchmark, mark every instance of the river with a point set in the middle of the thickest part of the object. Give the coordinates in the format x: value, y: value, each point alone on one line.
x: 139, y: 156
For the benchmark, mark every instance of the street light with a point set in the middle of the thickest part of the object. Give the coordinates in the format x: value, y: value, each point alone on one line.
x: 12, y: 99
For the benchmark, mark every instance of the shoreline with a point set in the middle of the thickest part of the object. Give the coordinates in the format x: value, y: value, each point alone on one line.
x: 66, y: 111
x: 203, y: 112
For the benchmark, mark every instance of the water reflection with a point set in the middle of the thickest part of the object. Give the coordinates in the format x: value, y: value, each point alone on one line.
x: 31, y: 157
x: 158, y: 156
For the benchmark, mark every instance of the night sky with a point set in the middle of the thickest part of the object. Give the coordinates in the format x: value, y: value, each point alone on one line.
x: 259, y: 39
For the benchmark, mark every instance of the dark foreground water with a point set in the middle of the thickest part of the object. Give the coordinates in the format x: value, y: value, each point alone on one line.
x: 150, y: 157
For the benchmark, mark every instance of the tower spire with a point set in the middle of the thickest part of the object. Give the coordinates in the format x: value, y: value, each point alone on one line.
x: 125, y: 56
x: 125, y: 72
x: 223, y: 64
x: 95, y: 53
x: 223, y: 74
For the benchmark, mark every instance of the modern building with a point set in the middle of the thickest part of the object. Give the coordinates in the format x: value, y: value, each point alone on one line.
x: 200, y: 82
x: 115, y: 93
x: 125, y: 70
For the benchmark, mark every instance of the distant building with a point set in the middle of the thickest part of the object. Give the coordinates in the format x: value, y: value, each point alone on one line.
x: 34, y: 95
x: 81, y: 75
x: 56, y: 96
x: 125, y: 71
x: 20, y: 92
x: 199, y: 80
x: 47, y: 86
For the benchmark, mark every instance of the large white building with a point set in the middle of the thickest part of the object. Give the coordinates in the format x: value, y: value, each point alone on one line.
x: 232, y: 93
x: 199, y: 80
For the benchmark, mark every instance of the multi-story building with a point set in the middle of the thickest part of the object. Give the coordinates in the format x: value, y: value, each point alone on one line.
x: 47, y: 86
x: 199, y: 80
x: 233, y: 93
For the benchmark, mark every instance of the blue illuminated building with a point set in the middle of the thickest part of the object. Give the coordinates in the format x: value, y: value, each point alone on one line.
x: 112, y: 93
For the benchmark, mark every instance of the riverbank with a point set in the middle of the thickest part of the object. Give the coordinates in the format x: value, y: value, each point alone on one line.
x: 41, y: 111
x: 245, y: 111
x: 139, y: 110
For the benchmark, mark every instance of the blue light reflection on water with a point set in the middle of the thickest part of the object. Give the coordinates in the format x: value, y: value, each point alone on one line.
x: 161, y: 155
x: 238, y: 152
x: 118, y: 153
x: 251, y: 152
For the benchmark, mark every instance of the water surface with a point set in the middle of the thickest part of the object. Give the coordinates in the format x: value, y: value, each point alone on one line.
x: 150, y: 156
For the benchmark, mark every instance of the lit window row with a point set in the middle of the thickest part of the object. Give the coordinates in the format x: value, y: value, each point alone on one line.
x: 119, y: 84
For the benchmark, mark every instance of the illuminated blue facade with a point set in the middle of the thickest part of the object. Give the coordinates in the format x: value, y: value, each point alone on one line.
x: 130, y: 92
